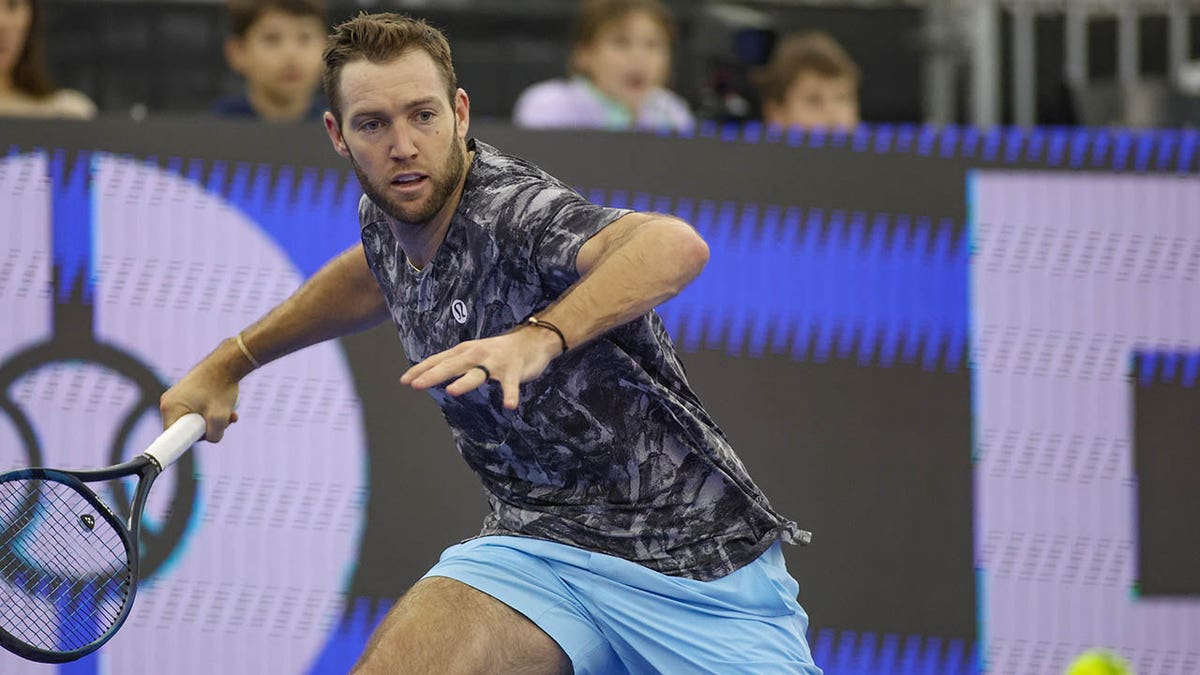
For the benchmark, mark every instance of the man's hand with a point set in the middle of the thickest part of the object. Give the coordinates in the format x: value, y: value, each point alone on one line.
x: 208, y: 389
x: 517, y: 356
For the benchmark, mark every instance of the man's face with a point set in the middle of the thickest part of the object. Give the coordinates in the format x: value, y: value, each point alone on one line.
x: 15, y: 17
x: 280, y: 55
x: 403, y: 135
x: 817, y: 102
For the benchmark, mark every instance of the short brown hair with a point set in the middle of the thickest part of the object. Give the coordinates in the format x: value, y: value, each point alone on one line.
x: 29, y: 73
x: 243, y: 13
x: 379, y: 38
x: 594, y: 15
x: 796, y: 55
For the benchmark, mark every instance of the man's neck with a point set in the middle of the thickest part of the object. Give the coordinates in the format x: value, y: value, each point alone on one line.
x: 420, y: 245
x: 272, y: 109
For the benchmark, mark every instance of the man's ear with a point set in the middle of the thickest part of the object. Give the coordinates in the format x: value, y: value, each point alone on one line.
x: 235, y: 55
x: 335, y: 135
x: 462, y: 113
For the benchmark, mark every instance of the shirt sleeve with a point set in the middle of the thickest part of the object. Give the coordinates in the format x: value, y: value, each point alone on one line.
x: 569, y: 222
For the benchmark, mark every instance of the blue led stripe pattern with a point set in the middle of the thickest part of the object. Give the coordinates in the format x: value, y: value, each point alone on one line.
x: 1167, y: 367
x: 819, y: 285
x: 1161, y: 150
x: 854, y: 653
x: 811, y: 284
x: 71, y: 204
x: 311, y: 214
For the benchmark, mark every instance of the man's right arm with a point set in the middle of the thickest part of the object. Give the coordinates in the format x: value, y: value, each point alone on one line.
x: 341, y: 298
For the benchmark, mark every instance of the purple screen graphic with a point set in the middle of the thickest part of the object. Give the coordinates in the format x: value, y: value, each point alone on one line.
x: 272, y: 539
x: 1071, y: 275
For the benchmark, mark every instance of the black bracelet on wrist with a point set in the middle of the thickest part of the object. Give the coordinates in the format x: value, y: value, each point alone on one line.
x: 534, y: 321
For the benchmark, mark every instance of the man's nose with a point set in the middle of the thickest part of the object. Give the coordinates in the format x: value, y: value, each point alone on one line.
x: 402, y: 146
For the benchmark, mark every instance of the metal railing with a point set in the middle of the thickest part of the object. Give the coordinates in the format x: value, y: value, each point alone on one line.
x: 981, y: 20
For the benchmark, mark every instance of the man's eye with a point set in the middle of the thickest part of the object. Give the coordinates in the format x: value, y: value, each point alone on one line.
x: 370, y: 125
x: 425, y: 116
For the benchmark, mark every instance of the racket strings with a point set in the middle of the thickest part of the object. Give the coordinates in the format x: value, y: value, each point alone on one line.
x: 65, y: 574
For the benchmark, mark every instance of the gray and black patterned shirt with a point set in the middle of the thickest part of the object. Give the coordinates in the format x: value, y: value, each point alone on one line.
x: 609, y: 450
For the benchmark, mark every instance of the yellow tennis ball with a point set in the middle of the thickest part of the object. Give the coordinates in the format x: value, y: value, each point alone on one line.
x: 1099, y: 662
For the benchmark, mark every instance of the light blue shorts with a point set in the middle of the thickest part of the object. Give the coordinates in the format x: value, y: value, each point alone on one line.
x: 613, y: 616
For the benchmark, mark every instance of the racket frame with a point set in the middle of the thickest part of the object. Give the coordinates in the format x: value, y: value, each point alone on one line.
x: 167, y: 448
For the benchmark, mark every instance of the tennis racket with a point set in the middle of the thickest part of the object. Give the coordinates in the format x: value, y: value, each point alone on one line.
x: 68, y: 565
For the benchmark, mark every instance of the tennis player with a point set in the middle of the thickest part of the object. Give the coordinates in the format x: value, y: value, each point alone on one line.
x: 624, y: 534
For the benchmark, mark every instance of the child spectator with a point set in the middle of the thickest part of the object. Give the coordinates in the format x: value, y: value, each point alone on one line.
x: 620, y: 62
x: 810, y: 82
x: 276, y: 46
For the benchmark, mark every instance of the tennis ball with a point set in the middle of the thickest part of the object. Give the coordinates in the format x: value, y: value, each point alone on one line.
x: 1099, y: 662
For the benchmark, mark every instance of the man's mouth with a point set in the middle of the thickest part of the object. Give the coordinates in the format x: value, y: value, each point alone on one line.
x: 407, y: 181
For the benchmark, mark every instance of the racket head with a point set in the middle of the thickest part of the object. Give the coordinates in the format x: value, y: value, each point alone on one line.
x: 68, y: 567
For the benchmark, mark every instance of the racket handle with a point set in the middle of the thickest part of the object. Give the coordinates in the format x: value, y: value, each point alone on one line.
x: 172, y: 443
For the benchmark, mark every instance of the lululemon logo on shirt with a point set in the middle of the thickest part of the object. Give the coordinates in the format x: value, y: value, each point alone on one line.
x: 459, y: 309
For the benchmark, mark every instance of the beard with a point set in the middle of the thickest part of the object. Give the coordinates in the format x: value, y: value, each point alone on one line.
x: 442, y: 179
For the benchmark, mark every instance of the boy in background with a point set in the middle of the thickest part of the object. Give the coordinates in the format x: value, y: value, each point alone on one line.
x: 620, y: 64
x: 276, y: 46
x: 810, y: 83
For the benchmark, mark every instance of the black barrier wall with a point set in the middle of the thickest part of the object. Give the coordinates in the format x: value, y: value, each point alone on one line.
x: 830, y: 337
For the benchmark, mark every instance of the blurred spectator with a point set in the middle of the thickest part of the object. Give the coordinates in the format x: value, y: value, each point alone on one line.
x: 276, y: 46
x: 620, y: 62
x: 810, y: 82
x: 25, y: 88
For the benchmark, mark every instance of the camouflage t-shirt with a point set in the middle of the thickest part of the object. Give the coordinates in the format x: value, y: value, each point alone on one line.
x: 609, y: 450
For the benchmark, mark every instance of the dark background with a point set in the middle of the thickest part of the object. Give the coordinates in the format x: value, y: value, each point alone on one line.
x: 167, y: 56
x: 155, y: 57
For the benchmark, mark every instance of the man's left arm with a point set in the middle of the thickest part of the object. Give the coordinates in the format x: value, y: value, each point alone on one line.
x: 626, y: 269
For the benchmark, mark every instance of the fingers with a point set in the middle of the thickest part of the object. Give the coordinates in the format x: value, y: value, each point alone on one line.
x: 215, y: 422
x: 171, y: 413
x: 468, y: 377
x: 511, y: 386
x: 436, y: 374
x: 422, y: 375
x: 506, y: 359
x: 469, y: 381
x: 214, y: 430
x: 442, y: 367
x: 217, y: 407
x: 475, y: 377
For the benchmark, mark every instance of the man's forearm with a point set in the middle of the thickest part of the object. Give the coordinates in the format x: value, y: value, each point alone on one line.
x: 641, y: 269
x: 627, y: 269
x: 341, y: 298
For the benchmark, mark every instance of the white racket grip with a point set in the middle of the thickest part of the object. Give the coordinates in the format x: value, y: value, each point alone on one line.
x: 172, y: 443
